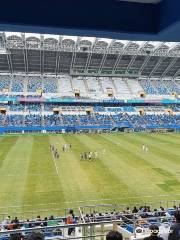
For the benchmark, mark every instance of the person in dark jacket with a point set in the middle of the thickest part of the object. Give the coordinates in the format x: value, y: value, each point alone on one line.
x: 154, y: 230
x: 114, y: 235
x: 175, y: 228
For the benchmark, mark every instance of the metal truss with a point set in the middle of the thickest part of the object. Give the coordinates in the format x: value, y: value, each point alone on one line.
x: 34, y: 47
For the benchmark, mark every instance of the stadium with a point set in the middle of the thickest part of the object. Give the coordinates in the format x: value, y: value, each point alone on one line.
x: 89, y: 125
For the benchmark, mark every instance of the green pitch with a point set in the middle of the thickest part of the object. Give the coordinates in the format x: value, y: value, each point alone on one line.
x: 32, y: 181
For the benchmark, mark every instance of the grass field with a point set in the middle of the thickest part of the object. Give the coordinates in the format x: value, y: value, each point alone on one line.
x: 31, y: 180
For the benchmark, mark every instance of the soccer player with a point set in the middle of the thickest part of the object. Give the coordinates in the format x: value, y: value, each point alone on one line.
x: 81, y: 156
x: 143, y: 147
x: 63, y: 148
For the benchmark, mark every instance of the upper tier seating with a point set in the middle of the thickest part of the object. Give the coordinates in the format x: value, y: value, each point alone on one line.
x: 160, y: 87
x: 78, y: 84
x: 106, y: 84
x: 122, y: 88
x: 172, y: 86
x: 34, y: 83
x: 147, y: 86
x: 5, y: 82
x: 18, y: 84
x: 177, y: 83
x: 50, y: 85
x: 65, y: 86
x: 94, y: 87
x: 134, y: 86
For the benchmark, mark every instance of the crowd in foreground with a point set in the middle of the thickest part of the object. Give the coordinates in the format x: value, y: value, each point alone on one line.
x: 137, y: 213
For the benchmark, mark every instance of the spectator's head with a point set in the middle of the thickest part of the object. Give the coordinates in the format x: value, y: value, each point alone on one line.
x: 114, y: 235
x: 154, y: 230
x: 35, y: 236
x: 177, y: 215
x: 71, y: 211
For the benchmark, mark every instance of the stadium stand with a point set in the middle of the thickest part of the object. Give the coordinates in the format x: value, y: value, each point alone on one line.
x: 2, y: 119
x: 33, y: 107
x: 17, y: 107
x: 34, y: 83
x: 50, y: 85
x: 4, y: 82
x: 147, y: 86
x: 41, y: 115
x: 18, y: 84
x: 88, y: 87
x: 65, y: 87
x: 14, y: 120
x: 33, y: 120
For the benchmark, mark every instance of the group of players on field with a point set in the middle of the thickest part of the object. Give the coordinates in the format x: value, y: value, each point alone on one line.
x: 91, y: 155
x: 54, y: 151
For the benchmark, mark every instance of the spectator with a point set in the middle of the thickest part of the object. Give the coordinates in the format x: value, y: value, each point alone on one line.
x: 35, y: 236
x: 154, y: 230
x: 16, y: 236
x: 135, y: 210
x: 175, y: 228
x: 70, y: 220
x: 6, y: 222
x: 16, y: 220
x: 38, y: 221
x: 114, y: 235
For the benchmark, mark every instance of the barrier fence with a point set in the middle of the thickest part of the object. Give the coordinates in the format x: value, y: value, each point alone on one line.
x: 119, y: 204
x: 81, y: 230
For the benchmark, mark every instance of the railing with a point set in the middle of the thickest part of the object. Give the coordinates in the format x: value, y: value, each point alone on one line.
x: 83, y: 230
x: 107, y: 205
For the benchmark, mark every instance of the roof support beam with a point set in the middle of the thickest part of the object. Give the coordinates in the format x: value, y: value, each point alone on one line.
x: 156, y: 66
x: 134, y: 57
x: 176, y: 73
x: 90, y: 55
x: 74, y: 54
x: 41, y: 54
x: 24, y: 53
x: 102, y: 62
x: 148, y: 58
x: 7, y: 54
x: 169, y: 67
x: 9, y: 62
x: 119, y: 57
x: 58, y: 55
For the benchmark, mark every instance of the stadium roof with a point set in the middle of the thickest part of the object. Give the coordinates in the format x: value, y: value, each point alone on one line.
x: 30, y: 53
x: 143, y: 1
x: 144, y: 20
